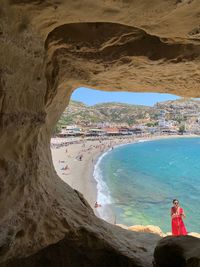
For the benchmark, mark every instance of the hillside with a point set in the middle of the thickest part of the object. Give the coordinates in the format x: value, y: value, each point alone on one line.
x: 79, y: 113
x: 178, y: 111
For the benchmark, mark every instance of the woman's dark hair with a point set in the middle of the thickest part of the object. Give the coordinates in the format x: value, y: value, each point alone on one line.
x: 175, y: 200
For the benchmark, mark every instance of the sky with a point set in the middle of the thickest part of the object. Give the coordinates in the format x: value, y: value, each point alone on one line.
x: 92, y: 97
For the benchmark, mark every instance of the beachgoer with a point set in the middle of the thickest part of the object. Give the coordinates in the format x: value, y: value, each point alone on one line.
x: 66, y: 167
x: 177, y: 215
x: 96, y: 205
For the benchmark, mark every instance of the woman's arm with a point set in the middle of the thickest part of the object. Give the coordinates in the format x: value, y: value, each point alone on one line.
x: 172, y: 213
x: 183, y: 214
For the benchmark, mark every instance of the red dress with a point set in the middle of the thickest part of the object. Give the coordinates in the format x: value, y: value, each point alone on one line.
x: 178, y: 227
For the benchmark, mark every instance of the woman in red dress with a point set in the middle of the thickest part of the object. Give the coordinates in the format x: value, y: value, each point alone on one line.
x: 177, y: 215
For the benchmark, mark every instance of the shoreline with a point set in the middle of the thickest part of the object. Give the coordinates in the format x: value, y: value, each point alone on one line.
x: 106, y: 213
x: 80, y: 174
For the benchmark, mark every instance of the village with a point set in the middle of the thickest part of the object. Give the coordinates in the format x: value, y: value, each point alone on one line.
x: 171, y: 118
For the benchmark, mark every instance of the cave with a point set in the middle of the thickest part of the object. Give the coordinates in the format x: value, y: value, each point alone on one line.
x: 48, y: 49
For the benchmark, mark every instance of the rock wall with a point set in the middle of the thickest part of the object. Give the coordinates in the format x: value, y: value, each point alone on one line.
x: 48, y: 49
x: 183, y: 251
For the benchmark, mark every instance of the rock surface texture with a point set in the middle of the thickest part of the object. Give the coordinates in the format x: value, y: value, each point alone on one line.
x: 147, y: 229
x: 178, y: 251
x: 48, y: 49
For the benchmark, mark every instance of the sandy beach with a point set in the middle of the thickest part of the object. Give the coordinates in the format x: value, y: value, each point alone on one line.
x: 79, y: 173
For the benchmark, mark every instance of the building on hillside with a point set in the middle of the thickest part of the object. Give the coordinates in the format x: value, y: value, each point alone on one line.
x: 124, y: 131
x: 112, y: 131
x: 167, y: 130
x: 153, y: 130
x: 103, y: 124
x: 70, y: 130
x: 161, y: 119
x: 96, y: 132
x: 136, y: 131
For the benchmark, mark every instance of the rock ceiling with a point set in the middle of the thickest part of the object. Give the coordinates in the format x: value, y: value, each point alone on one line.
x: 48, y: 49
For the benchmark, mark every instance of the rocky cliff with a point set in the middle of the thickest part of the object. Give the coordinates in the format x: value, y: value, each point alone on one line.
x: 48, y: 49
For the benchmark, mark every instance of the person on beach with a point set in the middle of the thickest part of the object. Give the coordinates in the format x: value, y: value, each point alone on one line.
x: 177, y: 215
x: 65, y: 169
x: 96, y: 205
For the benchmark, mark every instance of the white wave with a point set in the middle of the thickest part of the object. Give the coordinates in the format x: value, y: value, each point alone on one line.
x: 143, y: 140
x: 103, y: 193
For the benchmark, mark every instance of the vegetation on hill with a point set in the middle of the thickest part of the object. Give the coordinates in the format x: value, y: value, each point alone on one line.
x: 180, y: 111
x: 79, y: 113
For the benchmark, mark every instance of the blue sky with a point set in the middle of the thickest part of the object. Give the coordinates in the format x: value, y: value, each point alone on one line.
x: 92, y: 97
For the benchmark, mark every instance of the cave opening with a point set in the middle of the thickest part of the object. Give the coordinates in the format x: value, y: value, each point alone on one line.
x: 96, y: 122
x: 121, y: 58
x: 36, y: 85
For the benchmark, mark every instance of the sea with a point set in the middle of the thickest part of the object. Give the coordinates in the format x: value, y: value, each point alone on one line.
x: 137, y: 182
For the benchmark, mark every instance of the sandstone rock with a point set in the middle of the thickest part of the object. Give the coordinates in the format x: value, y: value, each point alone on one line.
x: 169, y: 233
x: 88, y: 252
x: 123, y: 226
x: 147, y: 229
x: 194, y: 234
x: 183, y: 251
x: 48, y: 49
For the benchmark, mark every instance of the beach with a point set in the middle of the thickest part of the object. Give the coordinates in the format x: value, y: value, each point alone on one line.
x: 79, y: 173
x: 80, y: 159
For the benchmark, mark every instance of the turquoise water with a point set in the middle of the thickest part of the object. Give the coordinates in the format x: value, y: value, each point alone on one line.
x: 138, y: 182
